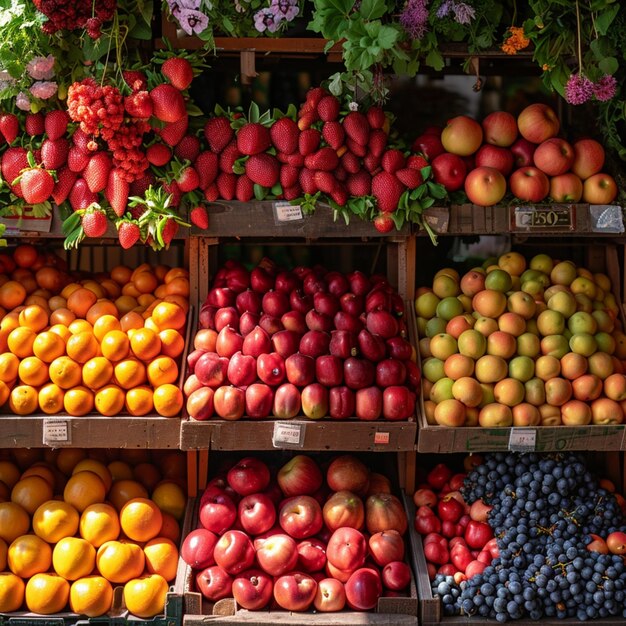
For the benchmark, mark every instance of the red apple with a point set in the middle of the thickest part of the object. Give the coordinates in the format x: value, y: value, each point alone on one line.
x: 300, y: 517
x: 300, y: 301
x: 424, y: 497
x: 319, y: 321
x: 371, y: 346
x: 241, y: 370
x: 396, y: 575
x: 248, y: 301
x: 325, y: 303
x: 301, y: 475
x: 341, y: 402
x: 347, y: 472
x: 247, y: 322
x: 329, y: 370
x: 256, y: 342
x: 363, y: 589
x: 256, y: 513
x: 345, y: 321
x: 311, y: 555
x: 386, y: 546
x: 529, y: 184
x: 285, y: 342
x: 249, y: 475
x: 369, y: 403
x: 477, y: 534
x: 270, y: 368
x: 449, y: 509
x: 460, y: 556
x: 286, y: 401
x: 588, y: 158
x: 566, y: 188
x: 294, y: 321
x: 277, y: 554
x: 275, y: 303
x: 229, y: 402
x: 499, y: 128
x: 475, y: 567
x: 271, y: 324
x: 500, y: 159
x: 226, y: 316
x: 436, y: 549
x: 295, y: 591
x: 479, y: 511
x: 330, y: 595
x: 485, y: 186
x: 343, y: 344
x: 344, y: 508
x: 390, y: 372
x: 200, y: 403
x: 616, y: 542
x: 314, y: 399
x: 398, y: 402
x: 214, y: 583
x: 221, y: 296
x: 346, y: 549
x: 428, y: 144
x: 197, y: 548
x: 300, y: 369
x: 314, y: 343
x: 352, y: 303
x: 234, y: 552
x: 538, y: 122
x: 261, y: 280
x: 599, y: 189
x: 211, y: 369
x: 554, y: 156
x: 360, y: 284
x: 426, y: 522
x: 252, y: 589
x: 462, y: 135
x: 228, y: 341
x: 217, y: 510
x: 384, y: 511
x: 522, y: 151
x: 449, y: 170
x: 399, y: 348
x: 237, y: 277
x: 358, y: 373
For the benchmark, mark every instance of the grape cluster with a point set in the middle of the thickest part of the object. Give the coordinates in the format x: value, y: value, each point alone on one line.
x: 72, y: 14
x: 544, y: 510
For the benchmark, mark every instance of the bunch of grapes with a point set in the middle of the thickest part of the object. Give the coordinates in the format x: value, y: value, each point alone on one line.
x: 69, y: 15
x: 544, y: 510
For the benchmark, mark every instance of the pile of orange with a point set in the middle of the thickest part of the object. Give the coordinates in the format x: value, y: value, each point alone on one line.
x: 73, y: 526
x: 109, y: 343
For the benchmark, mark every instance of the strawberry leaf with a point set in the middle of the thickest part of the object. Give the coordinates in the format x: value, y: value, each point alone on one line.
x: 239, y: 166
x: 259, y: 192
x: 253, y: 112
x: 42, y: 209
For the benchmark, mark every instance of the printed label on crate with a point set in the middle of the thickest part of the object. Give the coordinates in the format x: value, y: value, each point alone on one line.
x: 522, y: 440
x: 381, y: 438
x: 286, y: 212
x: 56, y: 431
x: 561, y: 217
x: 288, y: 435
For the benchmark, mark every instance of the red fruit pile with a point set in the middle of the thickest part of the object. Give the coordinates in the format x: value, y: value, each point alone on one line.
x: 299, y: 539
x: 281, y: 343
x: 73, y: 14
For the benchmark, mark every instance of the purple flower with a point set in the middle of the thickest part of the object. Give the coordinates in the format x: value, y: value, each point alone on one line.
x: 285, y: 9
x: 177, y: 6
x: 463, y: 13
x: 41, y: 68
x: 414, y: 18
x: 192, y: 22
x: 445, y: 8
x: 267, y: 18
x: 578, y: 89
x: 605, y: 88
x: 22, y: 101
x: 43, y: 89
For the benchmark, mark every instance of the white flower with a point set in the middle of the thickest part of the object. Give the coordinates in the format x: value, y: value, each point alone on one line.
x: 43, y: 89
x: 353, y: 106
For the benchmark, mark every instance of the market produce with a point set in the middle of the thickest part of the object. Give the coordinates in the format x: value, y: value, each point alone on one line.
x: 106, y: 343
x: 75, y: 523
x: 551, y: 535
x: 308, y: 341
x: 520, y: 344
x: 292, y: 538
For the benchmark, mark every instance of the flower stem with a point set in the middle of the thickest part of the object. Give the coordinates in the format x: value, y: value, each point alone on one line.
x: 580, y: 52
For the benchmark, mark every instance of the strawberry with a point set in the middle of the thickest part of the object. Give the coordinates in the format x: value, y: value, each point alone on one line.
x: 309, y: 141
x: 357, y: 127
x: 295, y: 160
x: 324, y: 159
x: 350, y: 163
x: 314, y: 96
x: 333, y: 134
x: 226, y: 185
x: 116, y: 191
x: 94, y: 223
x: 392, y: 161
x: 356, y: 148
x: 207, y: 166
x: 168, y: 103
x: 96, y: 173
x: 173, y: 132
x: 54, y: 153
x: 244, y: 191
x: 37, y: 185
x: 377, y: 142
x: 128, y: 234
x: 284, y: 135
x: 291, y: 193
x: 199, y: 217
x: 324, y: 181
x: 172, y: 187
x: 81, y: 140
x: 307, y: 181
x: 80, y: 197
x: 65, y: 181
x: 55, y: 124
x: 34, y: 124
x: 169, y: 231
x: 158, y: 154
x: 339, y: 195
x: 340, y: 173
x: 359, y: 184
x: 416, y: 162
x: 263, y: 169
x: 140, y: 185
x: 14, y: 160
x: 371, y: 163
x: 9, y: 127
x: 228, y: 157
x: 383, y: 223
x: 376, y: 117
x: 188, y: 179
x: 218, y: 133
x: 211, y: 193
x: 409, y: 177
x: 178, y: 71
x: 77, y: 159
x: 328, y: 108
x: 135, y: 79
x: 387, y: 189
x: 289, y: 175
x: 139, y: 105
x: 188, y: 148
x: 307, y: 117
x: 253, y: 138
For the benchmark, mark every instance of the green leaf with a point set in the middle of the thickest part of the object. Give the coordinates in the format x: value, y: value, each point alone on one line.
x: 372, y: 9
x: 604, y: 19
x: 387, y: 37
x: 435, y: 60
x: 608, y: 65
x: 259, y: 192
x: 253, y: 112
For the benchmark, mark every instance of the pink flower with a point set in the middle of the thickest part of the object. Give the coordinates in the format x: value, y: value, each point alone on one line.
x: 41, y: 68
x: 605, y: 88
x: 22, y: 101
x: 578, y: 89
x: 43, y: 89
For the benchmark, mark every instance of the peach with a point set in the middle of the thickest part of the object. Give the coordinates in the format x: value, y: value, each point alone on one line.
x: 485, y: 325
x: 526, y: 414
x: 615, y: 387
x: 509, y: 391
x: 468, y: 391
x: 606, y: 411
x: 528, y: 344
x: 521, y: 368
x: 587, y: 387
x: 547, y: 367
x: 442, y: 390
x: 502, y: 344
x: 573, y: 365
x: 512, y: 323
x: 512, y: 262
x: 555, y: 345
x: 443, y: 345
x: 495, y: 414
x: 522, y: 303
x: 472, y: 282
x: 457, y: 366
x: 558, y: 391
x: 550, y: 415
x: 472, y: 343
x: 489, y: 303
x: 535, y: 391
x: 575, y: 413
x: 429, y: 412
x: 450, y: 412
x: 459, y: 324
x: 446, y: 285
x: 601, y: 364
x: 490, y: 369
x: 471, y: 416
x: 488, y: 396
x: 550, y: 322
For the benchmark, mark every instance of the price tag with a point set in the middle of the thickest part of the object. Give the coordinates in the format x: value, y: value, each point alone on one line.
x: 522, y: 440
x: 539, y: 218
x: 285, y: 212
x: 381, y: 439
x: 56, y: 432
x: 287, y: 435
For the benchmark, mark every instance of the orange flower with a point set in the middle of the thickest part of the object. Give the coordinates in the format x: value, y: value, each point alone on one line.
x: 515, y: 40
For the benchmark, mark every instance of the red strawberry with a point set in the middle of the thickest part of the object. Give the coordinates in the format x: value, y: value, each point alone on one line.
x: 359, y: 184
x: 169, y: 231
x: 392, y: 161
x: 211, y: 193
x: 328, y: 108
x: 245, y: 189
x: 199, y: 217
x: 340, y: 173
x: 65, y: 181
x: 371, y: 163
x: 116, y: 191
x: 309, y: 141
x: 96, y: 173
x: 416, y: 162
x: 158, y: 154
x: 307, y: 117
x: 168, y: 103
x: 128, y: 234
x: 226, y: 185
x: 307, y: 181
x: 172, y: 188
x: 80, y: 197
x: 228, y: 157
x: 324, y: 181
x: 81, y: 140
x: 172, y: 133
x: 357, y: 127
x: 139, y: 105
x: 376, y: 117
x: 377, y: 142
x: 77, y: 159
x: 135, y: 79
x: 9, y: 127
x: 188, y: 179
x: 289, y: 176
x: 383, y: 223
x: 253, y: 138
x: 387, y: 189
x: 37, y: 185
x: 314, y: 96
x: 56, y: 124
x: 94, y: 223
x: 339, y: 195
x: 284, y: 135
x: 34, y: 124
x: 178, y: 71
x: 263, y: 169
x: 409, y: 177
x: 140, y: 185
x: 218, y: 133
x: 54, y: 153
x: 333, y: 134
x: 350, y: 162
x: 188, y: 148
x: 296, y: 159
x: 14, y: 160
x: 356, y: 148
x: 324, y: 159
x: 291, y: 193
x: 207, y: 166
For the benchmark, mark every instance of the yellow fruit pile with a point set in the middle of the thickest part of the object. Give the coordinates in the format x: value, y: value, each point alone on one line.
x: 73, y: 526
x: 108, y: 343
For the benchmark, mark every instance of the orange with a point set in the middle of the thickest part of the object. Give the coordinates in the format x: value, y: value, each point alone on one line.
x: 172, y: 343
x: 161, y: 557
x: 82, y: 346
x: 175, y: 272
x: 125, y: 303
x: 178, y: 286
x: 11, y: 592
x: 119, y: 561
x: 170, y: 528
x: 68, y: 458
x: 169, y: 315
x: 73, y: 558
x: 99, y: 523
x: 144, y: 343
x: 83, y: 489
x: 56, y: 303
x: 65, y: 372
x: 28, y: 555
x: 97, y: 467
x: 5, y: 391
x: 79, y: 326
x: 49, y: 345
x: 20, y: 341
x: 80, y: 301
x: 122, y: 491
x: 181, y: 301
x: 33, y: 371
x: 129, y: 289
x: 146, y: 299
x: 145, y: 282
x: 100, y: 309
x: 104, y: 324
x: 170, y: 498
x: 46, y: 594
x: 145, y: 596
x: 54, y: 520
x: 109, y: 400
x: 50, y: 399
x: 141, y: 519
x: 10, y: 320
x: 4, y: 548
x: 111, y: 287
x: 14, y: 521
x: 97, y: 372
x: 78, y: 401
x: 25, y: 457
x: 130, y: 373
x: 31, y: 492
x: 42, y: 469
x: 25, y: 278
x: 9, y: 365
x: 120, y: 470
x: 139, y: 401
x: 4, y: 334
x: 91, y: 596
x: 168, y: 400
x: 23, y: 400
x: 133, y: 456
x: 160, y: 271
x: 12, y: 294
x: 94, y: 286
x: 121, y: 274
x: 147, y: 474
x: 62, y: 331
x: 149, y: 323
x: 62, y: 316
x: 50, y: 278
x: 25, y: 255
x: 115, y: 345
x: 132, y: 319
x: 9, y: 473
x: 40, y: 300
x: 34, y: 317
x: 161, y: 370
x: 5, y: 493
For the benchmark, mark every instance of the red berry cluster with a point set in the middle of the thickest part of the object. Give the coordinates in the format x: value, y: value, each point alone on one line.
x: 70, y: 14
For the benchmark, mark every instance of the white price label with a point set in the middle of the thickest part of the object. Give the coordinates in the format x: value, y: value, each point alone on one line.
x: 286, y: 212
x: 288, y: 435
x: 381, y: 439
x: 522, y: 440
x: 56, y: 431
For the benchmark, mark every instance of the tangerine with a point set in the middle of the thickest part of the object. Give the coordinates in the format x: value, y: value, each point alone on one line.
x: 100, y: 309
x: 50, y: 278
x: 14, y: 521
x: 161, y: 557
x: 97, y: 372
x: 50, y: 345
x: 138, y: 401
x: 54, y: 520
x: 81, y: 300
x: 120, y: 561
x: 5, y: 391
x: 20, y: 341
x: 41, y: 468
x: 9, y: 473
x: 147, y: 474
x: 168, y: 400
x: 145, y: 596
x: 65, y: 372
x: 82, y: 346
x: 62, y: 315
x: 175, y: 272
x: 91, y: 596
x: 50, y: 399
x: 11, y: 592
x: 99, y: 523
x: 120, y: 470
x: 122, y: 491
x: 68, y: 458
x: 46, y: 593
x: 104, y: 324
x: 161, y: 370
x: 31, y: 492
x: 141, y: 519
x: 170, y: 498
x: 34, y: 317
x: 33, y: 371
x: 172, y: 343
x: 109, y: 400
x: 29, y: 555
x: 12, y: 294
x: 79, y: 326
x: 145, y: 282
x: 131, y: 320
x: 170, y: 528
x: 178, y: 286
x: 125, y: 303
x: 97, y: 467
x: 121, y: 274
x: 61, y: 330
x: 83, y: 489
x: 23, y: 400
x: 144, y: 343
x: 115, y: 345
x: 78, y: 401
x: 9, y: 365
x: 25, y: 255
x: 111, y: 287
x: 73, y: 558
x: 130, y: 373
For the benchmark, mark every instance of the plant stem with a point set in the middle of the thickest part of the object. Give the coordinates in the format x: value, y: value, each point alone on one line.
x: 580, y: 48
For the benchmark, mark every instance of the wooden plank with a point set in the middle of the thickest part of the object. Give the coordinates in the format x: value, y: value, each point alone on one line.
x: 243, y: 618
x: 192, y: 473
